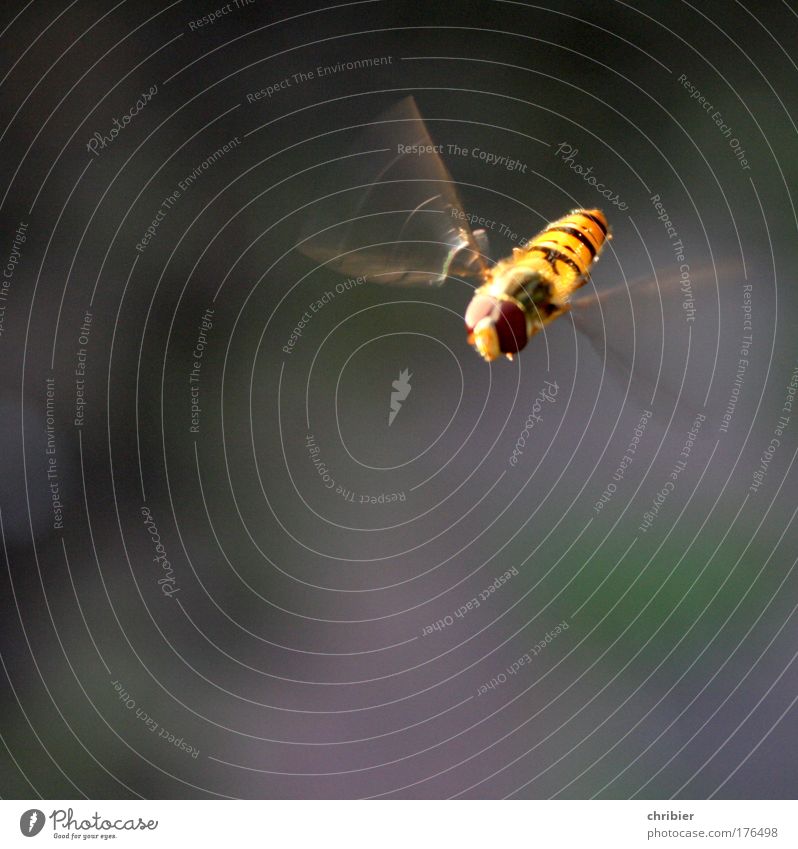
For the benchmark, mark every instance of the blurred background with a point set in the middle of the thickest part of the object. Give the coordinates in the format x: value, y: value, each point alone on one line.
x: 229, y: 573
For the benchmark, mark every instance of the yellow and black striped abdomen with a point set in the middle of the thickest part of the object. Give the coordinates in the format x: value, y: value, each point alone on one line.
x: 570, y: 244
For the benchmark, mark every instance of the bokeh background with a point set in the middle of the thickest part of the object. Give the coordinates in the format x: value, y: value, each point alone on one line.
x: 440, y: 621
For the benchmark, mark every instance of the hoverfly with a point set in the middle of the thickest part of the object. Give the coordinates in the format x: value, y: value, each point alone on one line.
x: 533, y: 286
x: 406, y: 225
x: 414, y: 200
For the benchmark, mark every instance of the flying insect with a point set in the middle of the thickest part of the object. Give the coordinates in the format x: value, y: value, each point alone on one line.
x: 533, y: 286
x: 414, y: 198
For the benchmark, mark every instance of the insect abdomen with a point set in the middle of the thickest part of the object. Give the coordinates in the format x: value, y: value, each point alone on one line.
x: 571, y: 243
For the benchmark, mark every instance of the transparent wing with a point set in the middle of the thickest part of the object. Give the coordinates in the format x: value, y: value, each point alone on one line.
x: 662, y: 333
x: 392, y: 213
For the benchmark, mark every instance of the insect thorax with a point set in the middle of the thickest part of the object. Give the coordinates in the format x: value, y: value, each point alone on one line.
x: 531, y: 283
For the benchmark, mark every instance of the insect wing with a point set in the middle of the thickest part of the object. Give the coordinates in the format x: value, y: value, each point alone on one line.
x: 660, y: 332
x: 393, y: 213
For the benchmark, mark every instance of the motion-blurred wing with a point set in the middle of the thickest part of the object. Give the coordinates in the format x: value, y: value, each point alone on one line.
x: 393, y: 213
x: 661, y: 333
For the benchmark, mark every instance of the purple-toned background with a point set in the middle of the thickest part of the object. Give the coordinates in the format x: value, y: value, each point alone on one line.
x: 278, y: 594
